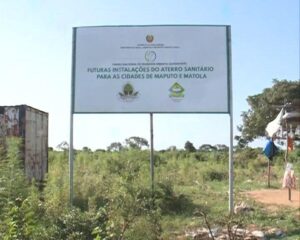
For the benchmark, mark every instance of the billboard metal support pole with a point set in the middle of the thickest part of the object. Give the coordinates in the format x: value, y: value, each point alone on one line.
x: 71, y: 160
x: 71, y: 151
x: 151, y: 153
x: 231, y: 173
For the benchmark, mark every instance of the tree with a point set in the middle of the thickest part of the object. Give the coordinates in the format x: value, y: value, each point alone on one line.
x: 136, y: 142
x: 50, y: 149
x: 172, y: 148
x: 115, y: 146
x: 221, y: 147
x: 86, y: 149
x: 64, y: 146
x: 241, y: 142
x: 207, y: 148
x: 189, y: 147
x: 264, y: 108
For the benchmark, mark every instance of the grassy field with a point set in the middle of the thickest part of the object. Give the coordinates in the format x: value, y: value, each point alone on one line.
x: 113, y: 198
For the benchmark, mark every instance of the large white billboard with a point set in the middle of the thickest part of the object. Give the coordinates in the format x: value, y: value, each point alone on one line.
x: 142, y: 69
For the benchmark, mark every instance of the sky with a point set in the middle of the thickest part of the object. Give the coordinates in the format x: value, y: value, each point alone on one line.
x: 36, y: 60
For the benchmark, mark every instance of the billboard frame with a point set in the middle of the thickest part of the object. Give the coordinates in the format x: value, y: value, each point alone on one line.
x: 229, y: 110
x: 73, y: 85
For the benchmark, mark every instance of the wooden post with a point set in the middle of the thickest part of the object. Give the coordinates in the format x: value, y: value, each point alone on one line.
x: 287, y: 151
x: 286, y: 156
x: 269, y: 172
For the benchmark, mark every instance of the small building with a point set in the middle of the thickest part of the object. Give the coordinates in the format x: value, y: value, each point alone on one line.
x: 32, y: 126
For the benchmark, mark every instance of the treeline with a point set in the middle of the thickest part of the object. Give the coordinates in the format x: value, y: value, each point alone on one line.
x: 141, y: 143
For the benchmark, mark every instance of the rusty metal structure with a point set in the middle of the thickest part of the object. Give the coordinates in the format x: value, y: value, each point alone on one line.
x: 31, y: 125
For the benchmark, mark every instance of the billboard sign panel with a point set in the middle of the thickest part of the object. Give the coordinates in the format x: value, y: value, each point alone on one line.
x: 158, y: 69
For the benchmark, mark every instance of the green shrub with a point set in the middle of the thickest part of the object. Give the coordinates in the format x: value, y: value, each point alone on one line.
x: 259, y: 164
x: 212, y: 174
x: 246, y: 155
x: 169, y: 202
x: 145, y: 228
x: 198, y: 156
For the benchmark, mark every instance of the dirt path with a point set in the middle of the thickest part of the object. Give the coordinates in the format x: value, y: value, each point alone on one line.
x: 276, y: 197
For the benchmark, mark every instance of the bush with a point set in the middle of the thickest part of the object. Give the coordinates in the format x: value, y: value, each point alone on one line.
x: 169, y: 202
x: 258, y: 164
x: 243, y: 157
x: 215, y: 175
x: 20, y: 203
x: 144, y: 228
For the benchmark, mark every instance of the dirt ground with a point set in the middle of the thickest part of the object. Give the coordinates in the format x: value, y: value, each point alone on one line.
x: 277, y: 197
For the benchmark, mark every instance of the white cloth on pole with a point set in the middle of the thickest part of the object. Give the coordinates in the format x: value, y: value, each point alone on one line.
x: 274, y: 126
